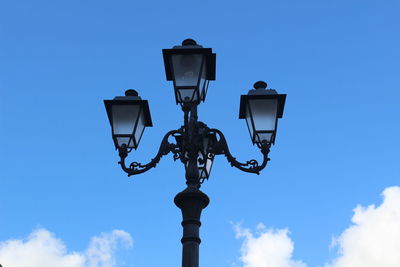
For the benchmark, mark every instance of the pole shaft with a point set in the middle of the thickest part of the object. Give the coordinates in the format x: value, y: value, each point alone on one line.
x: 191, y: 201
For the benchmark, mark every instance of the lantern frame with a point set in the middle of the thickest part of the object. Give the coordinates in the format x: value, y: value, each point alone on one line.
x: 131, y: 99
x: 261, y: 94
x: 207, y: 65
x: 205, y: 156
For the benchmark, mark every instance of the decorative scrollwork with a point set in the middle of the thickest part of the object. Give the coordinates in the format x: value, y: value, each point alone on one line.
x: 177, y: 155
x: 165, y: 148
x: 252, y: 163
x: 179, y: 151
x: 210, y: 155
x: 251, y: 166
x: 135, y: 165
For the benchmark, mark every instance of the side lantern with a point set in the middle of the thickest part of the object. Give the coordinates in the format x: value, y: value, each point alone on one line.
x: 129, y: 115
x: 262, y: 108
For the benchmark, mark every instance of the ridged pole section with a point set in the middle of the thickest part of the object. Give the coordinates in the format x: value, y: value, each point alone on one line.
x: 191, y: 201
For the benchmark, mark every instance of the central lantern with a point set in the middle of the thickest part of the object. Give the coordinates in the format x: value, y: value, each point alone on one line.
x: 190, y: 67
x: 205, y: 157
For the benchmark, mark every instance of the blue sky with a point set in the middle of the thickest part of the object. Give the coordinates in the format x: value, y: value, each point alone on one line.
x: 337, y: 145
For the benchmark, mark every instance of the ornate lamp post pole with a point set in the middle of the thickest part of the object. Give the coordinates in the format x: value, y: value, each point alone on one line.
x: 191, y: 67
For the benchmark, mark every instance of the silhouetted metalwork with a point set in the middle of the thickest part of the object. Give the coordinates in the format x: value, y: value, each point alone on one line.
x: 191, y: 67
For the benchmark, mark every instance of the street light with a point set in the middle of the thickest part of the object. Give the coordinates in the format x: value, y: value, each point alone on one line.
x: 128, y: 116
x: 191, y: 67
x: 261, y: 108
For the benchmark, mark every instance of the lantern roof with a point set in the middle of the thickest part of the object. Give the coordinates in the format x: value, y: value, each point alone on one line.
x: 260, y: 92
x: 131, y: 98
x: 189, y: 46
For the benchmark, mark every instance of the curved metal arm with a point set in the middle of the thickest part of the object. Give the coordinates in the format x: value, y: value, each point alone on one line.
x: 251, y: 166
x: 165, y: 148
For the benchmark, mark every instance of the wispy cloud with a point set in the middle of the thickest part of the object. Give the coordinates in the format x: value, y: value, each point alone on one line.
x: 41, y: 249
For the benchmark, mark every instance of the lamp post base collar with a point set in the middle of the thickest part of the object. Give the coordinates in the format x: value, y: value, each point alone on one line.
x: 191, y: 194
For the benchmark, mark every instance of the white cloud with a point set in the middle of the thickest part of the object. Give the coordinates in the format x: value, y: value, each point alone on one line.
x: 374, y: 238
x: 43, y: 249
x: 269, y: 248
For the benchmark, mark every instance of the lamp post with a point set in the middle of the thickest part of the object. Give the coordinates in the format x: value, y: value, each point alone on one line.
x: 191, y: 67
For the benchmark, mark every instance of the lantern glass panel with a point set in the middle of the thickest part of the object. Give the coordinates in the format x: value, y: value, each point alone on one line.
x: 186, y: 95
x: 139, y: 128
x: 264, y: 136
x: 249, y: 122
x: 124, y: 118
x: 124, y: 140
x: 205, y: 166
x: 203, y: 156
x: 186, y: 69
x: 207, y: 162
x: 208, y: 166
x: 264, y: 115
x: 204, y: 163
x: 201, y: 162
x: 203, y: 82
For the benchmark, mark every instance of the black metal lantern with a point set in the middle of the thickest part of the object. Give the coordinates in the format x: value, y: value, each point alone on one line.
x: 262, y: 108
x: 206, y: 158
x: 128, y: 116
x: 191, y: 67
